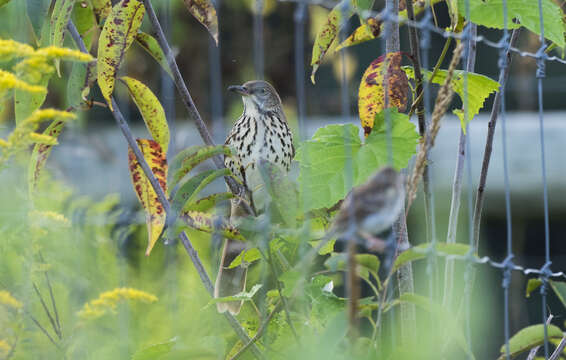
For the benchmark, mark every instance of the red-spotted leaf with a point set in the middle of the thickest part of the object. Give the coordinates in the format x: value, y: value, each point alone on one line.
x: 155, y: 214
x: 40, y: 154
x: 204, y: 12
x: 116, y: 37
x: 371, y: 95
x: 151, y: 110
x: 326, y: 35
x: 149, y: 44
x: 102, y: 8
x: 365, y: 32
x: 59, y: 19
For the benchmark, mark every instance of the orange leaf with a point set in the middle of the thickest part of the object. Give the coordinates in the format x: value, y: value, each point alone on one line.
x: 371, y: 95
x: 155, y: 214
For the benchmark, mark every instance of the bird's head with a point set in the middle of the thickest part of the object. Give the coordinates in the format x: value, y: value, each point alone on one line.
x: 258, y: 94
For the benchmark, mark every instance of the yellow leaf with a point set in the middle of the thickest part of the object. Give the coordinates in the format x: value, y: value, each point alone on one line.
x: 151, y: 110
x: 155, y: 214
x: 205, y: 13
x: 371, y: 95
x: 116, y: 37
x: 365, y: 32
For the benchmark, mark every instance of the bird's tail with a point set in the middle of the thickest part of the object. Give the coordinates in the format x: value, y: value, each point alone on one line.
x: 230, y: 281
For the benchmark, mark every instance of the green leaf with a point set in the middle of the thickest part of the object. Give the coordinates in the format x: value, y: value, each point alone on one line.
x: 420, y: 252
x: 155, y: 351
x: 326, y: 249
x: 247, y: 255
x: 480, y: 88
x: 290, y: 280
x: 3, y: 2
x: 367, y: 264
x: 532, y: 285
x: 208, y: 202
x: 85, y: 21
x: 283, y: 192
x: 187, y: 191
x: 242, y: 296
x: 559, y: 289
x: 116, y: 37
x: 190, y: 157
x: 529, y: 337
x: 324, y: 158
x: 40, y: 154
x: 37, y: 12
x: 326, y: 35
x: 151, y: 110
x: 59, y: 19
x: 25, y: 102
x: 149, y: 44
x: 490, y: 14
x: 209, y: 223
x: 80, y: 81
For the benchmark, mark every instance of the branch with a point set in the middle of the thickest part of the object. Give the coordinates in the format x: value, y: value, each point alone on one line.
x: 457, y: 183
x: 503, y: 76
x: 163, y: 199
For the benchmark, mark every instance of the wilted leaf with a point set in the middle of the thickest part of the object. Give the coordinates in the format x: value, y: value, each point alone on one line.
x: 149, y: 44
x: 383, y: 73
x: 204, y: 12
x: 532, y: 285
x: 208, y: 223
x: 117, y: 35
x: 155, y: 351
x: 151, y: 110
x: 187, y: 192
x: 529, y: 337
x: 155, y: 214
x: 241, y: 296
x: 490, y: 14
x: 102, y: 8
x: 40, y: 154
x: 420, y: 252
x: 480, y: 88
x: 190, y: 157
x: 59, y: 20
x: 322, y: 175
x: 326, y: 35
x: 366, y: 31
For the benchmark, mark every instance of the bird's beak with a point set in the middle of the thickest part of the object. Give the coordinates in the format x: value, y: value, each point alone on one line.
x: 238, y: 89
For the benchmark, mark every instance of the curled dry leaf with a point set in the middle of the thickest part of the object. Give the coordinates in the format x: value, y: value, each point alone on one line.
x: 155, y: 213
x: 205, y: 13
x: 365, y: 32
x: 383, y: 73
x: 116, y: 37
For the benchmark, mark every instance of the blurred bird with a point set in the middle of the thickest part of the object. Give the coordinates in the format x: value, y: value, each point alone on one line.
x: 261, y: 133
x: 372, y: 207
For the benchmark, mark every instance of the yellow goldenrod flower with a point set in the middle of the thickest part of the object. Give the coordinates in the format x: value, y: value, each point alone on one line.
x: 7, y: 299
x: 42, y: 139
x: 4, y: 348
x: 44, y: 114
x: 108, y: 301
x: 9, y: 81
x: 10, y: 49
x: 49, y: 216
x: 4, y: 143
x: 55, y: 52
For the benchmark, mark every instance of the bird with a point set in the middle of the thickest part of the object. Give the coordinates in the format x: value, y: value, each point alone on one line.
x: 260, y: 134
x: 371, y: 208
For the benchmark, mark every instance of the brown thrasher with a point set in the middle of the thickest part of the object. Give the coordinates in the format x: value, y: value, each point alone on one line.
x: 261, y: 133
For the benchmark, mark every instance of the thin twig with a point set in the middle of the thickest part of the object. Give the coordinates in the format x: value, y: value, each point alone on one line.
x: 503, y: 76
x: 457, y: 183
x: 443, y: 99
x: 53, y: 304
x: 558, y: 351
x: 51, y: 320
x: 353, y: 289
x: 43, y: 330
x: 163, y: 199
x: 260, y: 331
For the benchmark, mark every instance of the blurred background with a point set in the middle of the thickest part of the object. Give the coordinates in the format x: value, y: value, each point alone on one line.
x: 92, y: 155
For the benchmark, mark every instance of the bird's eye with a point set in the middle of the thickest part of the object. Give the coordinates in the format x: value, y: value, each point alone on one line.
x: 263, y: 91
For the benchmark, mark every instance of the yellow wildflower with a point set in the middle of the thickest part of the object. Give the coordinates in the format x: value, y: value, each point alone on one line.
x: 10, y: 49
x: 9, y: 81
x: 7, y: 299
x: 44, y: 114
x: 55, y: 52
x: 4, y: 143
x: 42, y: 139
x: 4, y: 348
x: 42, y: 216
x: 109, y: 300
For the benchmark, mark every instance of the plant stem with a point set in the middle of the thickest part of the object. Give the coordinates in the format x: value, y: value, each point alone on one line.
x: 503, y: 76
x: 457, y: 183
x: 163, y: 200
